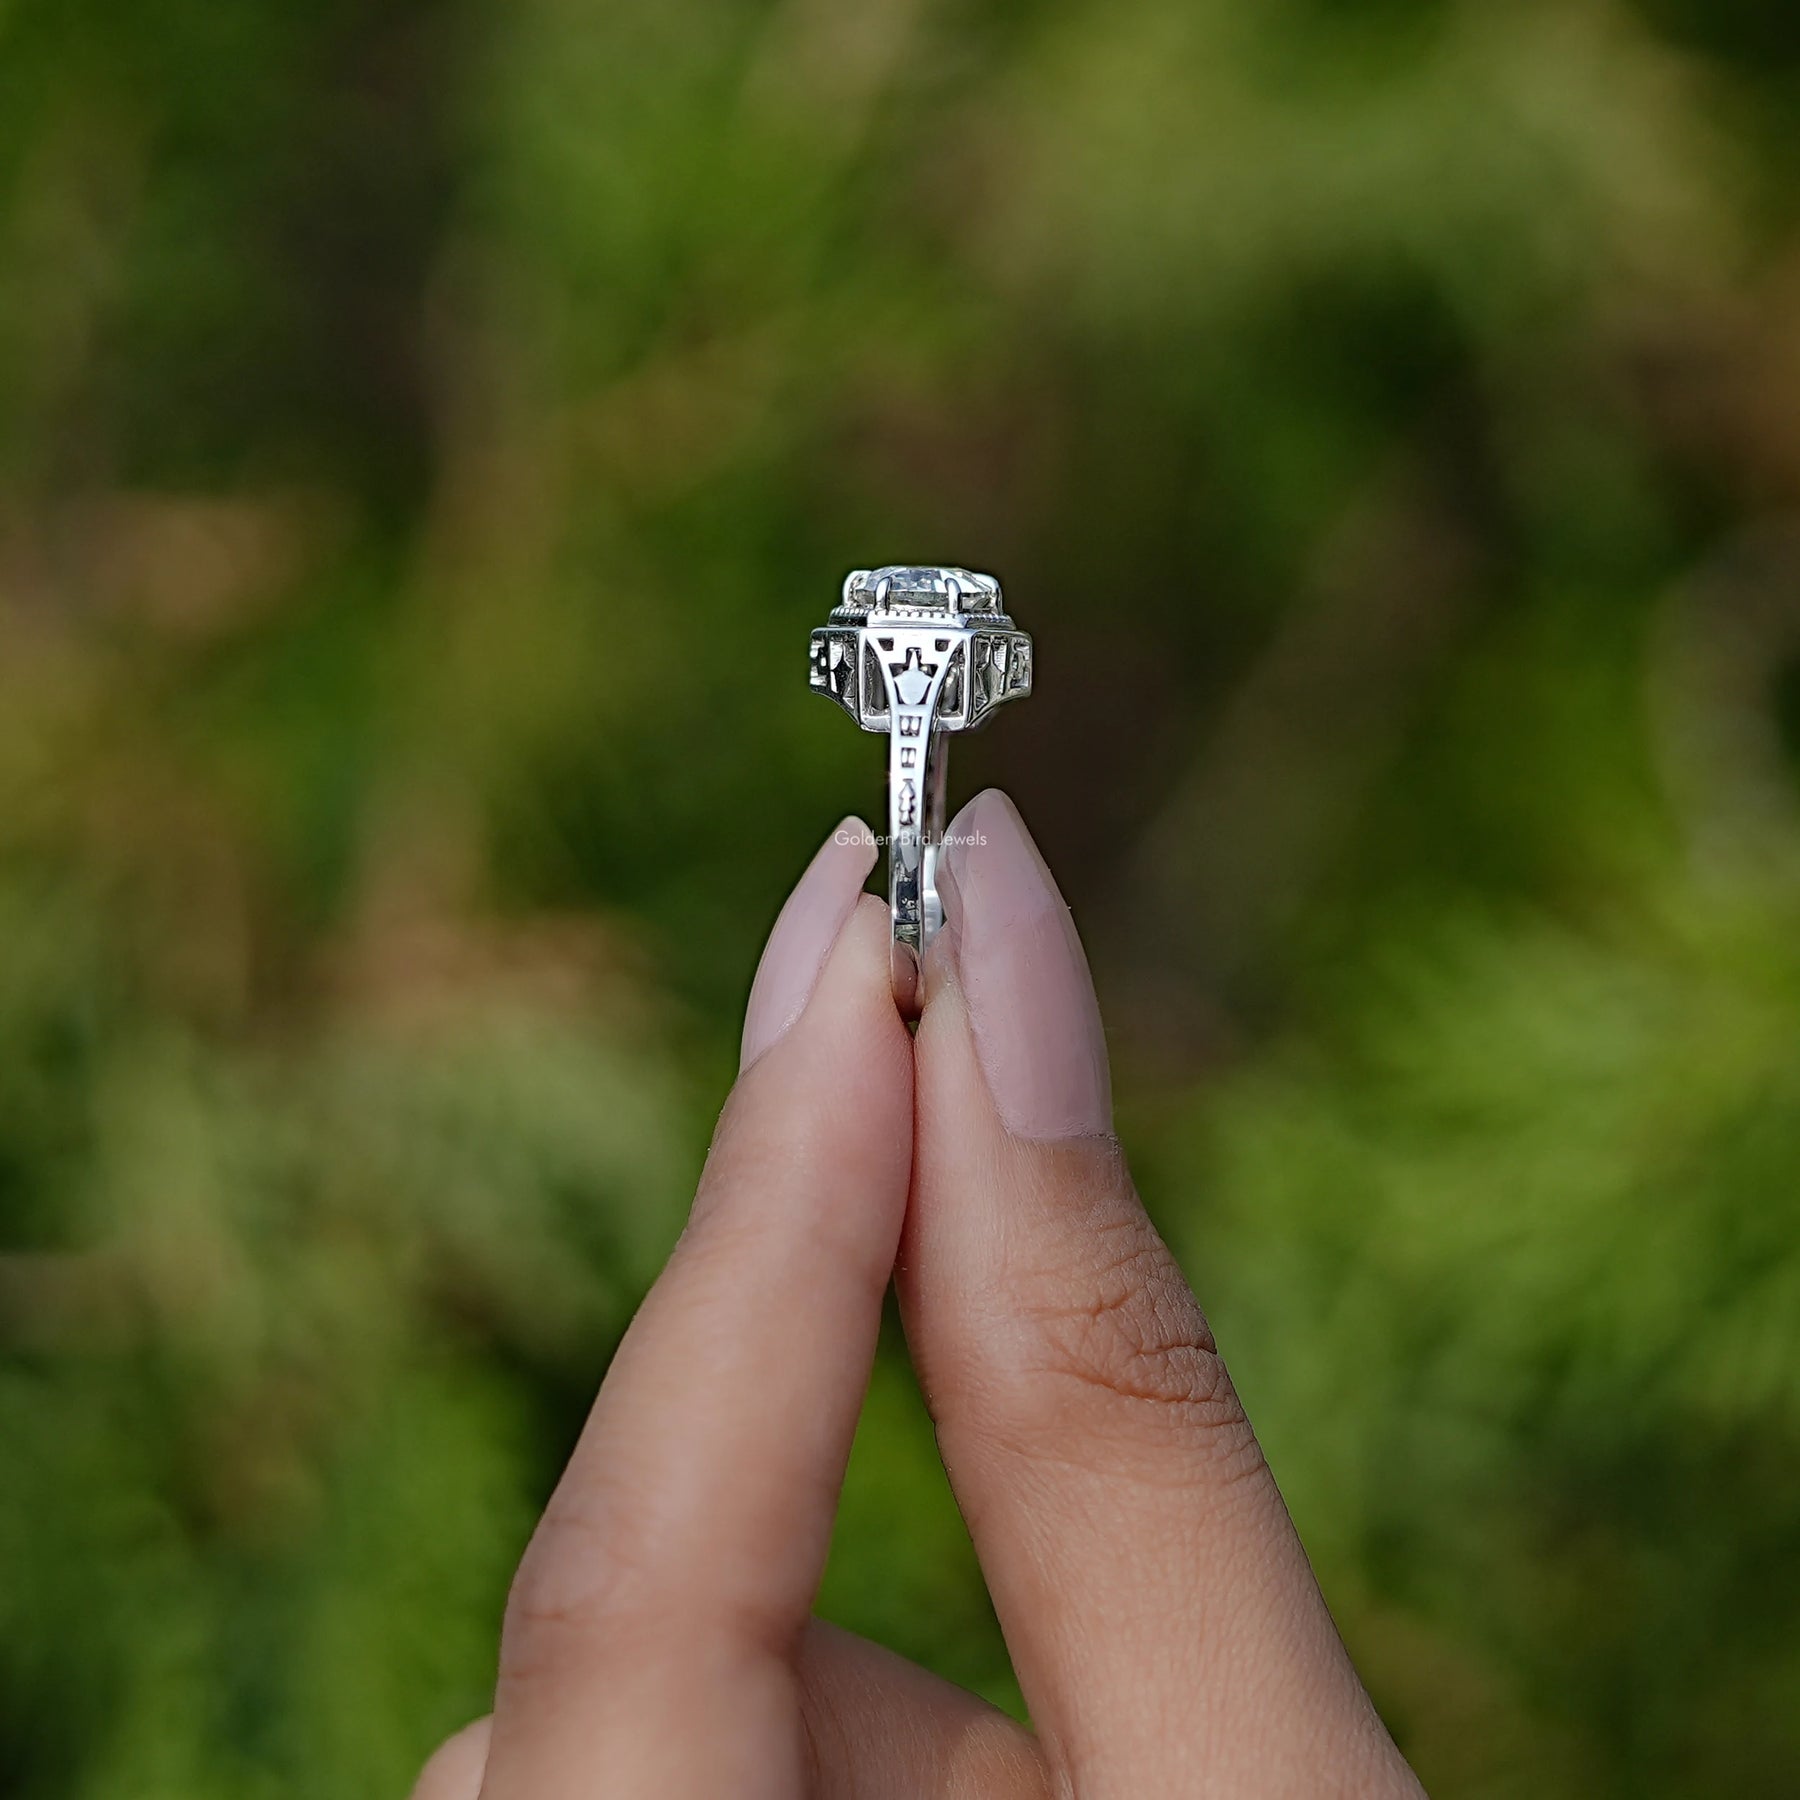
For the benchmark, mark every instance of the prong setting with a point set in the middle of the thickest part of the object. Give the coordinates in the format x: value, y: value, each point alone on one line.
x: 908, y: 617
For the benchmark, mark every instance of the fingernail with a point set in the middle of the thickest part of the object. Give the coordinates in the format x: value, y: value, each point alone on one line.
x: 804, y: 934
x: 1024, y: 976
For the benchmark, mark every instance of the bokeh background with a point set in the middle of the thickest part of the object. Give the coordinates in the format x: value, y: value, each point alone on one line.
x: 427, y: 435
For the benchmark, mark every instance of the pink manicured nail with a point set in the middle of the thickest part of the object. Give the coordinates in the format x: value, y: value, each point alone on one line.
x: 804, y: 934
x: 1021, y: 967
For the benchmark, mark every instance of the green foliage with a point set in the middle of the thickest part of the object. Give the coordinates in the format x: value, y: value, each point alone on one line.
x: 426, y: 435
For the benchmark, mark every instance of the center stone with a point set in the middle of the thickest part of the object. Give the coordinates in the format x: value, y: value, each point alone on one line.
x: 936, y: 589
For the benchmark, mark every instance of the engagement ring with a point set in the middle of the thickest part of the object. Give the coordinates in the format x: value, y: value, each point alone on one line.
x: 918, y: 653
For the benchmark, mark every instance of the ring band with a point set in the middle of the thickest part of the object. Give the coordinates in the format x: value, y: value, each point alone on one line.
x: 918, y: 653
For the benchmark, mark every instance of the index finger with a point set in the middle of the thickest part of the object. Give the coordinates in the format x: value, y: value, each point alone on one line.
x: 675, y: 1566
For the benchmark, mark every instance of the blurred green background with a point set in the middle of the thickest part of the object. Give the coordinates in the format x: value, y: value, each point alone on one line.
x: 427, y: 434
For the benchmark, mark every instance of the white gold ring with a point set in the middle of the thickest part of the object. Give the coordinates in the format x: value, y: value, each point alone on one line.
x: 918, y: 653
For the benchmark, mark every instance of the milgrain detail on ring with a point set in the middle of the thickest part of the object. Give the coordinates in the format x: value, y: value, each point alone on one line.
x: 918, y: 652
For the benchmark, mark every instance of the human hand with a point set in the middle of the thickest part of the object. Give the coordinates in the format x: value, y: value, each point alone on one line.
x: 1162, y: 1619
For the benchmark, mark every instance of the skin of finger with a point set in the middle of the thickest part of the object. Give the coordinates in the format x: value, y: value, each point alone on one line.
x: 882, y: 1728
x: 653, y: 1623
x: 456, y: 1767
x: 1162, y: 1616
x: 878, y: 1728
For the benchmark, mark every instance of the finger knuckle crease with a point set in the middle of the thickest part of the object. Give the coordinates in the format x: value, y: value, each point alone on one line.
x: 1137, y: 1336
x: 575, y: 1580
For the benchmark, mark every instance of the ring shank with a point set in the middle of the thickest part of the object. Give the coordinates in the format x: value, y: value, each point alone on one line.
x: 918, y: 768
